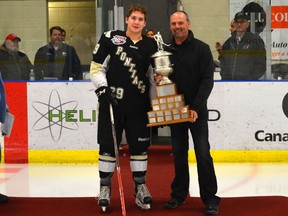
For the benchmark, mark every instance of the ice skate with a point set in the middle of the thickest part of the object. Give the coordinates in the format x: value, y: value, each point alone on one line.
x: 104, y: 197
x: 143, y: 197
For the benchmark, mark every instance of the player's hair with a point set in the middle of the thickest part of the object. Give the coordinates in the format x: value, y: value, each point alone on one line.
x: 137, y: 7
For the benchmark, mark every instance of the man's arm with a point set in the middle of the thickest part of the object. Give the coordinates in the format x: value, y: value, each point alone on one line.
x: 76, y: 65
x: 224, y: 64
x: 27, y: 68
x: 260, y: 60
x: 206, y: 79
x: 39, y: 62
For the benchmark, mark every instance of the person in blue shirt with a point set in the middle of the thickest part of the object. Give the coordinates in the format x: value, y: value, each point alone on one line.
x: 3, y: 110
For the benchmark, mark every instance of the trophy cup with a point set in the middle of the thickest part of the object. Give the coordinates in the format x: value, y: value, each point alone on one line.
x: 168, y: 107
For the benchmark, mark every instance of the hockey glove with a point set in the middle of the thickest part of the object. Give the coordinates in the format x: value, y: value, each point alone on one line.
x: 105, y: 96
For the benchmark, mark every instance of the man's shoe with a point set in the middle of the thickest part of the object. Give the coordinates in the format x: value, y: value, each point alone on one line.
x: 3, y: 198
x: 173, y: 203
x: 212, y: 208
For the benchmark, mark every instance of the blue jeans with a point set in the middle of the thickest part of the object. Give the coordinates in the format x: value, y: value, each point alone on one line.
x: 205, y: 168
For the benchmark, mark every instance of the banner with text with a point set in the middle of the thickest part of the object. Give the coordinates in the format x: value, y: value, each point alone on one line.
x: 249, y: 116
x: 63, y: 116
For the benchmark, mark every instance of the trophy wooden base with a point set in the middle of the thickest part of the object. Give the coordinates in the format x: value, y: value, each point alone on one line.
x: 168, y: 107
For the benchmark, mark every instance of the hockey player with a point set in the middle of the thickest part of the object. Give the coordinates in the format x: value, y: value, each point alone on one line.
x: 118, y: 70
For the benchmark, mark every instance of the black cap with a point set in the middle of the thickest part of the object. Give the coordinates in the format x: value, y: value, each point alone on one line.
x: 241, y: 15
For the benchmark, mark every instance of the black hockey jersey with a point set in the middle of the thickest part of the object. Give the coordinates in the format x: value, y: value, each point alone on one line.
x: 127, y: 69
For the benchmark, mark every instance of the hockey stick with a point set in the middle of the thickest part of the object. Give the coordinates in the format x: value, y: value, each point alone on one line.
x: 117, y: 163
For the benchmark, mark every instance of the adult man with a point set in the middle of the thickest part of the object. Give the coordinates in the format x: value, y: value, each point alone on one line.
x: 14, y: 65
x: 120, y: 63
x: 63, y: 32
x: 57, y: 60
x: 218, y: 45
x: 243, y: 55
x: 193, y: 74
x: 232, y: 26
x: 3, y: 110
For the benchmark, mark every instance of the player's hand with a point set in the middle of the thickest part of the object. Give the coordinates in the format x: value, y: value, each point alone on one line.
x: 105, y: 96
x: 157, y: 78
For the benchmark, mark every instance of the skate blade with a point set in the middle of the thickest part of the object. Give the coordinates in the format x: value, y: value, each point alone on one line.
x: 103, y: 206
x: 142, y: 205
x: 146, y: 206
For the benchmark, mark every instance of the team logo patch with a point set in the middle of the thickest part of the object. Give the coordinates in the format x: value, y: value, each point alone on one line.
x: 118, y: 40
x: 246, y: 46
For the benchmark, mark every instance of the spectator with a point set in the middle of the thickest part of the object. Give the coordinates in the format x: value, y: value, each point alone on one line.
x: 150, y: 33
x: 63, y: 35
x: 57, y: 60
x: 243, y: 55
x: 232, y: 29
x: 193, y: 75
x: 3, y: 110
x: 14, y: 65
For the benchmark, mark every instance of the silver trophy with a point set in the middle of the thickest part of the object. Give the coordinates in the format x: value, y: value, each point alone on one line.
x: 168, y: 107
x: 162, y: 62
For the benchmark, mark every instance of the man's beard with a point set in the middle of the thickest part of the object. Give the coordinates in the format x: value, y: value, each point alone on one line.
x: 12, y: 48
x: 57, y: 43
